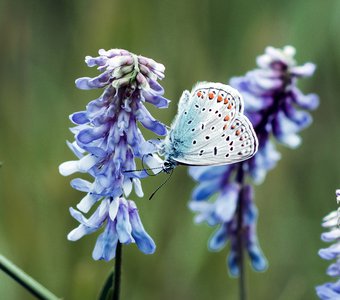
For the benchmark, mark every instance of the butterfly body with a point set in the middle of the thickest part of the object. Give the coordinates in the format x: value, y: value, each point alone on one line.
x: 209, y: 129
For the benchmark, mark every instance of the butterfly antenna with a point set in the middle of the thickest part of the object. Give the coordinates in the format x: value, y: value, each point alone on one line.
x: 166, y: 180
x: 141, y: 170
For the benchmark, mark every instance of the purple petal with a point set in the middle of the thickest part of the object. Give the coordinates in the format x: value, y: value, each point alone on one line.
x: 143, y: 240
x: 331, y: 252
x: 156, y: 100
x: 75, y: 149
x: 95, y: 61
x: 123, y: 225
x: 225, y: 205
x: 88, y: 83
x: 150, y: 122
x: 329, y: 291
x: 219, y: 238
x: 301, y: 118
x: 331, y: 235
x: 233, y: 264
x: 209, y: 173
x: 334, y: 269
x: 284, y: 130
x: 310, y: 101
x: 88, y: 135
x: 106, y: 244
x: 156, y: 86
x: 257, y: 259
x: 81, y: 185
x: 79, y: 118
x: 205, y: 189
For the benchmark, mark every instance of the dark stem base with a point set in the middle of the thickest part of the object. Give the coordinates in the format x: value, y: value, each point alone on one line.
x: 117, y: 273
x: 240, y: 241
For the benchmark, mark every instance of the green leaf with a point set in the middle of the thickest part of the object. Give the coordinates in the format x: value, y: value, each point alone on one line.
x: 107, y: 290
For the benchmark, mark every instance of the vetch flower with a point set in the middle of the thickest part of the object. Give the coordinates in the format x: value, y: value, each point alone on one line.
x: 278, y: 111
x: 107, y: 142
x: 275, y: 105
x: 330, y: 222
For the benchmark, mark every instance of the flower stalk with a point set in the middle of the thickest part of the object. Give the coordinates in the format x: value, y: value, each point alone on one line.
x: 240, y: 233
x: 117, y: 274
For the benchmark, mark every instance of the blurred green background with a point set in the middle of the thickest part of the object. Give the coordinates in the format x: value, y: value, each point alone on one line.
x: 43, y: 44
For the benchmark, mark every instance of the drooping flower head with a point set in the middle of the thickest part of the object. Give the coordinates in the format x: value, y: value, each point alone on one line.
x: 278, y: 111
x: 107, y: 141
x: 331, y: 290
x: 275, y: 105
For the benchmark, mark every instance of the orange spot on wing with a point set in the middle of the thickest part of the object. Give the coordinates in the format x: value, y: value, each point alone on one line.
x: 229, y: 106
x: 238, y: 132
x: 225, y: 127
x: 226, y: 118
x: 226, y: 101
x: 199, y: 94
x: 211, y: 95
x: 219, y: 98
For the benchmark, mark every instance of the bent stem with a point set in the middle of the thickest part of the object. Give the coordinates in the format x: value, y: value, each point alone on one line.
x: 240, y: 242
x: 31, y: 285
x: 118, y: 267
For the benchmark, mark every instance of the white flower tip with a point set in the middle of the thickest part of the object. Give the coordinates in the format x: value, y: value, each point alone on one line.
x: 138, y: 187
x: 72, y: 236
x: 127, y: 187
x: 289, y: 50
x: 68, y: 167
x: 86, y: 163
x: 83, y: 206
x: 263, y: 61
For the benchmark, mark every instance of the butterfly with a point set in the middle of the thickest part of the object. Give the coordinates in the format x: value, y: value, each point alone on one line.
x: 209, y: 129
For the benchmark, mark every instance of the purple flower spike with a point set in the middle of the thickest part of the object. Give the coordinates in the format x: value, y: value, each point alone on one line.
x: 331, y: 222
x: 278, y: 111
x: 107, y: 142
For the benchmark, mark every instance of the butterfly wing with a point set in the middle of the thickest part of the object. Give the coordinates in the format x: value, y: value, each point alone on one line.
x: 210, y: 128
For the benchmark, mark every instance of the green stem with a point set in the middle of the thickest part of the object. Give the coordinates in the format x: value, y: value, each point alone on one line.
x: 118, y: 268
x: 34, y: 287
